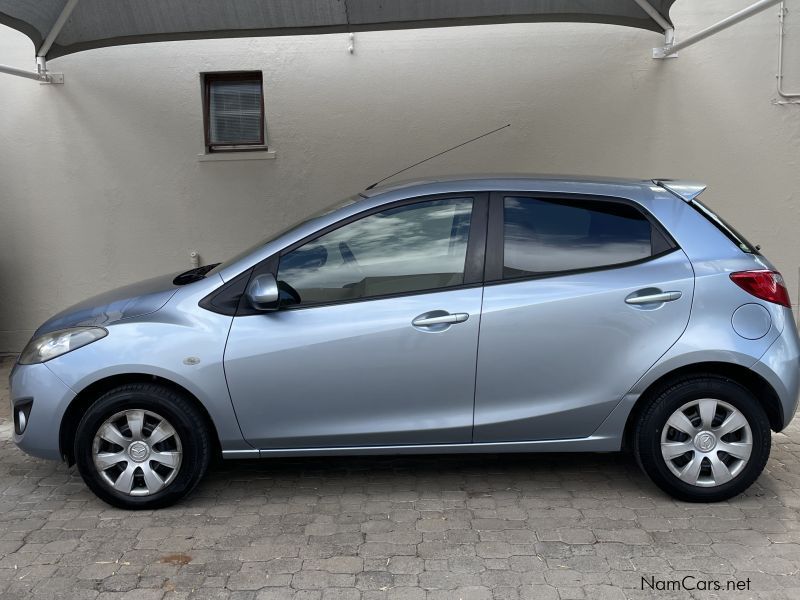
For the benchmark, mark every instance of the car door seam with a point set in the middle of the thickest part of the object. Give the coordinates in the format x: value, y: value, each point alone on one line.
x: 475, y: 371
x: 227, y: 385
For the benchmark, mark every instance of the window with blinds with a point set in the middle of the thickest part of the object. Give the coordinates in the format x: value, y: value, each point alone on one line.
x: 233, y: 109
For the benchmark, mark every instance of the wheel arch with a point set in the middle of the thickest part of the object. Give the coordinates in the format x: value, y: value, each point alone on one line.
x: 754, y: 382
x: 91, y: 393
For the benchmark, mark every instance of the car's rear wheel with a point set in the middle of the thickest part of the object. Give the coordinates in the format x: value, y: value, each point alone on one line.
x: 142, y: 446
x: 703, y: 439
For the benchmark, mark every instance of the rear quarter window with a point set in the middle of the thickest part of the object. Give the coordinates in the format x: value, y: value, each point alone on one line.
x: 546, y: 236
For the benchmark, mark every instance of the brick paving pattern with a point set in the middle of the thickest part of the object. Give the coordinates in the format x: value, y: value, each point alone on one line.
x: 397, y: 528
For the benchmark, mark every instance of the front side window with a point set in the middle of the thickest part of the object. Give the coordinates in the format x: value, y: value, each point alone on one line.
x: 233, y: 108
x: 543, y: 236
x: 410, y: 248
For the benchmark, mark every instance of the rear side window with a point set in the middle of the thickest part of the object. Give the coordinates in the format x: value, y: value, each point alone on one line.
x: 544, y: 236
x: 718, y: 222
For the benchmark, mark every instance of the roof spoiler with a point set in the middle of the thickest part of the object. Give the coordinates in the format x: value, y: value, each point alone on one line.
x: 685, y: 190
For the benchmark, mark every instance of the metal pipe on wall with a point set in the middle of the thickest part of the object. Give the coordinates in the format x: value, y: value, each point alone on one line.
x: 790, y: 97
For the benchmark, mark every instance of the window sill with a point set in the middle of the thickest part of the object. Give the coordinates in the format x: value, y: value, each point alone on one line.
x: 241, y: 155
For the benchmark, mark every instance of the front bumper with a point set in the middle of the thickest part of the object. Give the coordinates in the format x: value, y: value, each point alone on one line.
x: 50, y: 398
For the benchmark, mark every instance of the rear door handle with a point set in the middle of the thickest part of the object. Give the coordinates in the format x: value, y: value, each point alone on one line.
x: 423, y: 321
x: 653, y: 298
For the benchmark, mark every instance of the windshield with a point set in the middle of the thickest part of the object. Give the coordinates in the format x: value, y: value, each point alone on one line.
x: 321, y: 213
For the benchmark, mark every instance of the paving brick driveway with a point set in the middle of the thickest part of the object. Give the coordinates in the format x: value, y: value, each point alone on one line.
x: 490, y: 527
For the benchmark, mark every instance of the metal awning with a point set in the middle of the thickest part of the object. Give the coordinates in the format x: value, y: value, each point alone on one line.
x: 98, y: 23
x: 60, y: 27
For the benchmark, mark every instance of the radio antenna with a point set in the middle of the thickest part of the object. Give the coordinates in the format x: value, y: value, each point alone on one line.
x: 483, y: 135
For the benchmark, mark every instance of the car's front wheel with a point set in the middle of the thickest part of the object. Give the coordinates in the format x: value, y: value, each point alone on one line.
x: 142, y: 446
x: 703, y: 439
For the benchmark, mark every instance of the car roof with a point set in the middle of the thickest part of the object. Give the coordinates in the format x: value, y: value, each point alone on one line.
x: 499, y: 181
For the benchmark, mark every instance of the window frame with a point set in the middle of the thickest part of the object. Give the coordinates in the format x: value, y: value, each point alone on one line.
x: 473, y: 263
x: 495, y: 242
x: 215, y: 76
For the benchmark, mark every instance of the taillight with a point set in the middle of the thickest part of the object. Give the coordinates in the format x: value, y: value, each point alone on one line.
x: 766, y: 285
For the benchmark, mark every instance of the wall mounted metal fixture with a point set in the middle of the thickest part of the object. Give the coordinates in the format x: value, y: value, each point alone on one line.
x: 41, y: 74
x: 671, y: 47
x: 784, y: 96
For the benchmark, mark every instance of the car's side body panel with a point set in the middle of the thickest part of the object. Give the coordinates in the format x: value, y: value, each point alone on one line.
x: 710, y: 336
x: 356, y: 373
x: 557, y: 354
x: 179, y: 343
x: 185, y: 344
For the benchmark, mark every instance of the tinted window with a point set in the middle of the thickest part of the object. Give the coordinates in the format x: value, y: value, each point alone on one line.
x: 548, y: 236
x: 415, y: 247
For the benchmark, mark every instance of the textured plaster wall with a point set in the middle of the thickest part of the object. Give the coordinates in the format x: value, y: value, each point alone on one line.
x: 100, y: 184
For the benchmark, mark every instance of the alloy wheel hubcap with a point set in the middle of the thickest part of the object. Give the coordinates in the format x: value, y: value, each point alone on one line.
x: 137, y: 452
x: 706, y: 442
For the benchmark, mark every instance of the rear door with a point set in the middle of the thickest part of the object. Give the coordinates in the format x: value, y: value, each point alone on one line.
x: 583, y: 295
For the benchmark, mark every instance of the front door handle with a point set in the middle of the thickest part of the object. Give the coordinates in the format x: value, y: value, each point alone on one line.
x: 446, y: 319
x: 653, y: 298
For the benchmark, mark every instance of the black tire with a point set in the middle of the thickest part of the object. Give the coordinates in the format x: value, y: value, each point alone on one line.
x: 180, y: 412
x: 659, y: 408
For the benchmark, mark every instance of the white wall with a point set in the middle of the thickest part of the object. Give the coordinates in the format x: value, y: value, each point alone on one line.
x: 101, y: 186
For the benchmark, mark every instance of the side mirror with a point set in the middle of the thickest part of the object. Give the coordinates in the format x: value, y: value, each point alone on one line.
x: 263, y: 292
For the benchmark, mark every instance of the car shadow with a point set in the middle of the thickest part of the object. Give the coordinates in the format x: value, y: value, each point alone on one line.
x: 604, y: 475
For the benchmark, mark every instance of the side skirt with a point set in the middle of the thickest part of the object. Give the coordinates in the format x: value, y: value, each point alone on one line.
x: 588, y: 444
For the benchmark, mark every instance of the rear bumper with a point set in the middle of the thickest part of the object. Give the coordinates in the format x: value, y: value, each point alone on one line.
x: 50, y: 398
x: 780, y: 366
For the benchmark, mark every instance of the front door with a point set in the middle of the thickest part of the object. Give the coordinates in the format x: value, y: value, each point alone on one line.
x: 376, y: 339
x: 585, y: 296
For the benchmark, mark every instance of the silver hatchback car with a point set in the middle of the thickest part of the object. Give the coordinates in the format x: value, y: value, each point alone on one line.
x: 491, y: 314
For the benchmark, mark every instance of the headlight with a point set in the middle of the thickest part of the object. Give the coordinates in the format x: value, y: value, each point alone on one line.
x: 53, y: 344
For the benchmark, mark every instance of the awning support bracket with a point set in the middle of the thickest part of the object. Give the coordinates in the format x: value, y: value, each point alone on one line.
x: 669, y: 31
x: 671, y: 49
x: 42, y: 74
